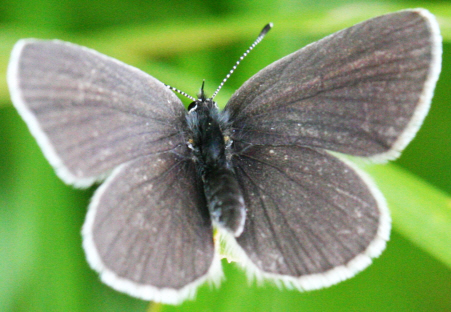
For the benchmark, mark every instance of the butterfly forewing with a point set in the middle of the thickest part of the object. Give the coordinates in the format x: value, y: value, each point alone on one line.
x: 364, y: 95
x: 91, y: 113
x: 148, y: 231
x: 309, y: 213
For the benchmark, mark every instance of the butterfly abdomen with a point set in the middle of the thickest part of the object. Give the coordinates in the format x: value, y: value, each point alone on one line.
x: 221, y: 188
x: 225, y: 201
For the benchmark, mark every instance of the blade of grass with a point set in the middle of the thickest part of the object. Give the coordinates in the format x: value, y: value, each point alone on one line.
x: 420, y: 212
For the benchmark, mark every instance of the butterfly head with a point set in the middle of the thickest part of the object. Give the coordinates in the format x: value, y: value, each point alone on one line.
x: 202, y: 104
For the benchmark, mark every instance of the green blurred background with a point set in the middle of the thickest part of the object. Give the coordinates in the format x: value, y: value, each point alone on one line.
x: 42, y: 265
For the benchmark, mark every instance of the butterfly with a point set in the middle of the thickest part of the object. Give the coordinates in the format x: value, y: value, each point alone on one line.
x: 265, y: 171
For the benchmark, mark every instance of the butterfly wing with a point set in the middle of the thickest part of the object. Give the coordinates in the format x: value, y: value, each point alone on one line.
x: 88, y: 112
x: 363, y: 91
x: 312, y: 220
x: 148, y: 231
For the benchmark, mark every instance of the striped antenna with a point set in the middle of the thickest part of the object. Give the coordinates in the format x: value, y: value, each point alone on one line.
x: 257, y: 41
x: 180, y: 92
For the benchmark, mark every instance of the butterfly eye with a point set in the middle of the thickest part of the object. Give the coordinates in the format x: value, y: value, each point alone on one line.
x: 192, y: 105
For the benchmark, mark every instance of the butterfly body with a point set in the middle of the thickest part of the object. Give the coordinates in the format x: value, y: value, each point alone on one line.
x: 212, y: 151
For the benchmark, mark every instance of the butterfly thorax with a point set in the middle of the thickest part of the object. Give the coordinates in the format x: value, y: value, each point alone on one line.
x: 208, y: 142
x: 210, y: 147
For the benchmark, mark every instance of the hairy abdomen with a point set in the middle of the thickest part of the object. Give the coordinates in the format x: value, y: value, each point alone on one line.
x: 225, y: 200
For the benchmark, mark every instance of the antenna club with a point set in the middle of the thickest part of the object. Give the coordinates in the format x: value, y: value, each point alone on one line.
x: 266, y: 29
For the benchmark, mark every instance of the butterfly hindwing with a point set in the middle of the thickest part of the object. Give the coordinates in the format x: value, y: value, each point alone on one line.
x: 312, y: 220
x: 364, y: 95
x: 148, y: 231
x: 89, y: 112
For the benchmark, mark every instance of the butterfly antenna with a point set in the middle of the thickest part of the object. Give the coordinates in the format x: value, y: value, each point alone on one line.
x: 181, y: 92
x: 257, y: 41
